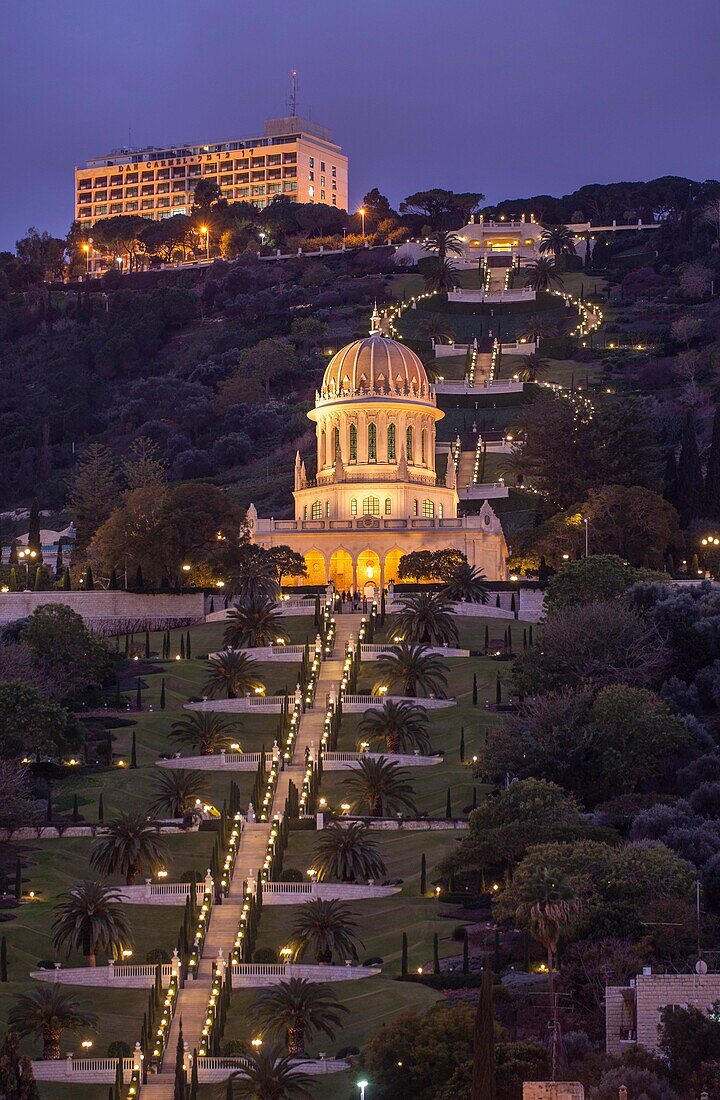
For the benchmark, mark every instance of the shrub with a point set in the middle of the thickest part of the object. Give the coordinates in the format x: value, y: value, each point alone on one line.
x: 291, y: 874
x: 459, y: 932
x: 157, y: 955
x: 265, y: 955
x: 705, y: 800
x: 119, y: 1048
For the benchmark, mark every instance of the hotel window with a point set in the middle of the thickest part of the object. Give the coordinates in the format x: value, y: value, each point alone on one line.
x: 415, y: 508
x: 147, y: 204
x: 409, y: 444
x: 317, y: 509
x: 115, y: 181
x: 147, y: 189
x: 371, y: 506
x: 322, y: 196
x: 178, y: 200
x: 147, y: 177
x: 163, y: 188
x: 116, y: 193
x: 322, y: 181
x: 327, y: 509
x: 372, y: 443
x: 353, y: 507
x: 428, y: 509
x: 209, y: 169
x: 322, y: 165
x: 194, y: 169
x: 178, y: 173
x: 311, y: 175
x: 311, y: 162
x: 257, y: 177
x: 257, y: 189
x: 131, y: 206
x: 304, y: 511
x: 289, y: 158
x: 84, y: 185
x: 388, y: 506
x: 131, y: 177
x: 290, y: 187
x: 240, y: 164
x: 131, y: 192
x: 274, y: 158
x: 116, y: 208
x: 242, y: 192
x: 101, y: 181
x: 391, y: 443
x: 100, y: 210
x: 311, y: 191
x: 100, y: 196
x: 85, y: 212
x: 334, y: 171
x: 257, y: 162
x: 353, y: 443
x: 242, y: 177
x: 163, y: 202
x: 225, y: 180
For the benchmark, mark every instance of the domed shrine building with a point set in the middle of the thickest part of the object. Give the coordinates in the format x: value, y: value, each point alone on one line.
x: 377, y: 494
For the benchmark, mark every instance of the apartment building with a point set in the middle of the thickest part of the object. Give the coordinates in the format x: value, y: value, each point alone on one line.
x: 633, y: 1012
x: 294, y: 157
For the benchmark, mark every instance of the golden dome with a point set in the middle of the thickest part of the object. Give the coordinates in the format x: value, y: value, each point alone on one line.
x: 375, y: 367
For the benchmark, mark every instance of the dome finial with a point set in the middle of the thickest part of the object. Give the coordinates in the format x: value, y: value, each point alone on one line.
x: 375, y: 321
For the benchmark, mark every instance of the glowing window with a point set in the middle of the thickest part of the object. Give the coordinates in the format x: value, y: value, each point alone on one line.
x: 428, y: 509
x: 423, y: 445
x: 336, y: 444
x: 388, y: 505
x: 371, y: 506
x: 372, y: 443
x: 409, y: 444
x: 415, y: 508
x: 391, y: 443
x: 353, y: 507
x: 317, y: 509
x: 353, y: 443
x: 440, y: 511
x: 327, y: 509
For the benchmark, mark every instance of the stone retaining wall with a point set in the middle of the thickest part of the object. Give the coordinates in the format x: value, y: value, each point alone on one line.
x: 108, y: 612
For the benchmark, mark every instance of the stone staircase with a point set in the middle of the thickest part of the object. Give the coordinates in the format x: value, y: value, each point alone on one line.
x: 466, y: 469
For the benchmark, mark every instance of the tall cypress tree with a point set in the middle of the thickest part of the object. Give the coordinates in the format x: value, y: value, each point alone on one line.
x: 3, y: 960
x: 690, y: 479
x: 474, y: 689
x: 67, y: 583
x: 147, y: 644
x: 466, y: 952
x: 404, y: 954
x: 133, y: 751
x: 89, y: 585
x: 670, y: 479
x: 436, y: 953
x: 498, y: 691
x: 188, y: 649
x: 448, y: 806
x: 483, y: 1074
x: 462, y: 744
x: 712, y: 474
x: 423, y: 875
x: 34, y: 542
x: 18, y: 880
x: 101, y: 809
x: 138, y: 695
x: 113, y: 584
x: 75, y: 809
x: 162, y: 694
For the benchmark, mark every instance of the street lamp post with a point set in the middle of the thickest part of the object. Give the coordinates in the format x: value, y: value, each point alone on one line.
x: 362, y: 1085
x: 27, y: 556
x: 86, y: 249
x: 204, y: 229
x: 361, y: 212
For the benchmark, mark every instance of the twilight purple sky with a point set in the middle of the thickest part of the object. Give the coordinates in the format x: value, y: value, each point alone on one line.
x: 509, y: 97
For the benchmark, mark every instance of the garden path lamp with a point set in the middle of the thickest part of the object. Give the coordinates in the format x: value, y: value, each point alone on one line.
x: 362, y: 1085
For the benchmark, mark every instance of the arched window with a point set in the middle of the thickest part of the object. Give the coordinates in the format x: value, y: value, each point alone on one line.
x: 391, y: 443
x: 423, y: 446
x: 304, y: 511
x: 388, y: 505
x: 428, y: 509
x: 415, y: 508
x: 409, y: 444
x: 336, y: 444
x: 371, y: 506
x: 353, y: 507
x: 327, y: 509
x: 372, y: 442
x: 353, y: 443
x: 440, y: 511
x: 316, y: 510
x: 323, y: 448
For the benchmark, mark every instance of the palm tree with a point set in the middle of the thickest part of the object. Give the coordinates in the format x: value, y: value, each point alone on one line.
x: 256, y: 578
x: 382, y: 786
x: 533, y: 365
x: 298, y: 1008
x: 549, y: 902
x: 538, y: 328
x: 328, y: 928
x: 130, y: 845
x: 178, y: 790
x: 467, y: 585
x: 204, y: 730
x: 254, y: 621
x: 398, y: 727
x: 426, y: 617
x: 231, y: 674
x: 438, y: 329
x: 440, y: 276
x: 416, y: 671
x: 348, y: 854
x: 557, y: 239
x: 91, y: 920
x: 541, y: 274
x: 271, y: 1075
x: 48, y: 1010
x: 444, y: 242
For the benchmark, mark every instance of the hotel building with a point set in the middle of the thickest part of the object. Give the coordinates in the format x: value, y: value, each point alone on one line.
x: 294, y: 157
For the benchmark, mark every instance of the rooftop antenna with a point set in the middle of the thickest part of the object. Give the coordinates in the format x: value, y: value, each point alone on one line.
x: 293, y: 94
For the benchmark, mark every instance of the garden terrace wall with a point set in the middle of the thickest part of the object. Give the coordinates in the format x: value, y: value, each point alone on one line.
x: 112, y: 612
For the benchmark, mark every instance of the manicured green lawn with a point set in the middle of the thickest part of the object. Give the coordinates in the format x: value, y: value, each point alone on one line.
x: 381, y: 921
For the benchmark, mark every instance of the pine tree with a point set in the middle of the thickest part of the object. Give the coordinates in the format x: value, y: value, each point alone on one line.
x: 17, y: 1080
x: 3, y: 960
x: 483, y: 1073
x: 543, y: 573
x: 694, y: 567
x: 133, y: 752
x: 475, y: 689
x: 690, y: 479
x: 462, y: 744
x: 404, y: 954
x: 162, y: 694
x: 194, y: 1079
x: 423, y: 875
x: 436, y: 954
x: 712, y: 474
x: 93, y: 492
x: 448, y: 806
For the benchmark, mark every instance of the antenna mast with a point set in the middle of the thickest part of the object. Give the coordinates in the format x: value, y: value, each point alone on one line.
x: 293, y: 94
